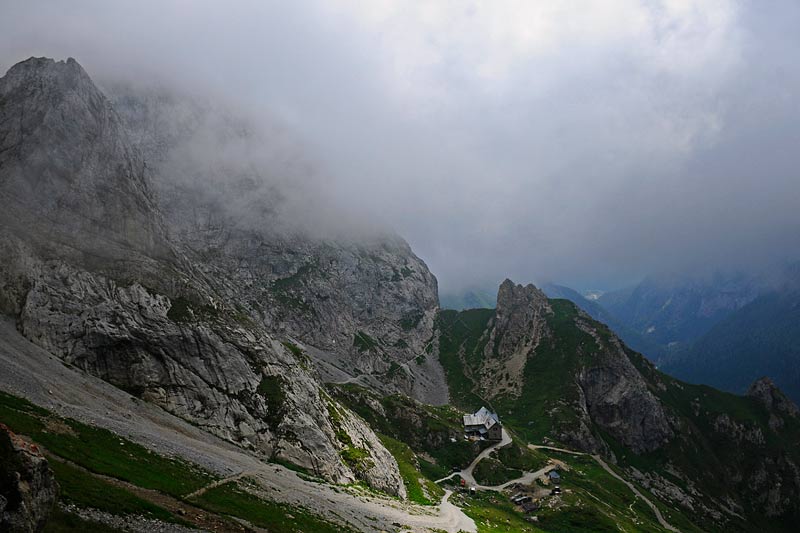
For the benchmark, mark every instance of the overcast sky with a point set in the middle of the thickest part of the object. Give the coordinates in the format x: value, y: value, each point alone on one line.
x: 588, y: 143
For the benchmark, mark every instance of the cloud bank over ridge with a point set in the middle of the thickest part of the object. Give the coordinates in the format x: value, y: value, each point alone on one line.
x: 588, y: 143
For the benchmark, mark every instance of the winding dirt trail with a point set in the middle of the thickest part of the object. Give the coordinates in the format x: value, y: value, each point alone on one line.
x: 656, y: 510
x: 466, y: 474
x: 661, y: 520
x: 214, y: 485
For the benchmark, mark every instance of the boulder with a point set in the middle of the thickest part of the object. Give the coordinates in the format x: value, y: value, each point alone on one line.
x: 28, y: 489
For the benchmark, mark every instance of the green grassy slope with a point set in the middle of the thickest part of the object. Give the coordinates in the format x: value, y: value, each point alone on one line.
x: 100, y: 451
x: 232, y: 499
x: 80, y: 455
x: 721, y: 442
x: 434, y: 434
x: 461, y: 345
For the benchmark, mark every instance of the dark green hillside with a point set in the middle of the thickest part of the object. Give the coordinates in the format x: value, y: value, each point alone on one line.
x: 462, y: 340
x: 632, y: 338
x: 723, y: 450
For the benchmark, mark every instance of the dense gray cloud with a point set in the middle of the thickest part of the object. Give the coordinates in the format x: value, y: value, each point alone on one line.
x: 585, y: 143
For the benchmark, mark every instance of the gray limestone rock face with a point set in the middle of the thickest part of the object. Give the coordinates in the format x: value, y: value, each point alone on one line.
x: 92, y: 276
x: 233, y: 379
x: 364, y: 308
x: 69, y: 177
x: 28, y: 489
x: 519, y: 317
x: 618, y: 399
x: 611, y: 392
x: 519, y: 324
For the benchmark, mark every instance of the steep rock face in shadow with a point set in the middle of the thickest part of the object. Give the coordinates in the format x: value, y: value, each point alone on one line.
x: 93, y: 277
x: 28, y: 489
x: 618, y: 399
x: 765, y: 391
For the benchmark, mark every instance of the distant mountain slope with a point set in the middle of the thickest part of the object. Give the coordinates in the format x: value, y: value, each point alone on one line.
x: 556, y: 375
x: 470, y: 299
x: 632, y: 338
x: 760, y: 339
x: 672, y: 310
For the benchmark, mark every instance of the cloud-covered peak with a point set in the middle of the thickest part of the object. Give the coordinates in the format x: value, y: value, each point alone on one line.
x: 536, y: 140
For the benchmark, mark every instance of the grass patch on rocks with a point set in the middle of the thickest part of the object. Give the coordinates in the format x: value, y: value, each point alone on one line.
x: 363, y: 342
x: 233, y: 500
x: 272, y: 390
x: 86, y: 490
x: 419, y: 489
x: 492, y: 472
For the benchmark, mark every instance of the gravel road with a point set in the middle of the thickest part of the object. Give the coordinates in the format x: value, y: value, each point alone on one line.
x: 526, y: 479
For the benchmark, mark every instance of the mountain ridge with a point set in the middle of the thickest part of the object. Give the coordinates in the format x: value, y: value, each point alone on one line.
x: 690, y: 445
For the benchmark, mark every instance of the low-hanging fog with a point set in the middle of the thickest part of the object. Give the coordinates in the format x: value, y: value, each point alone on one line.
x: 587, y: 143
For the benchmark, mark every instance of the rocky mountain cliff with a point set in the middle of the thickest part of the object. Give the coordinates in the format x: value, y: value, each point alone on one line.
x: 556, y: 375
x: 363, y: 308
x: 70, y: 182
x: 91, y: 274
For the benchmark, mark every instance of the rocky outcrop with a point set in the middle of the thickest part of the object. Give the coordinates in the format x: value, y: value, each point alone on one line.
x: 93, y: 277
x: 519, y: 324
x: 28, y: 489
x: 618, y: 398
x: 610, y: 392
x: 765, y: 391
x: 519, y: 318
